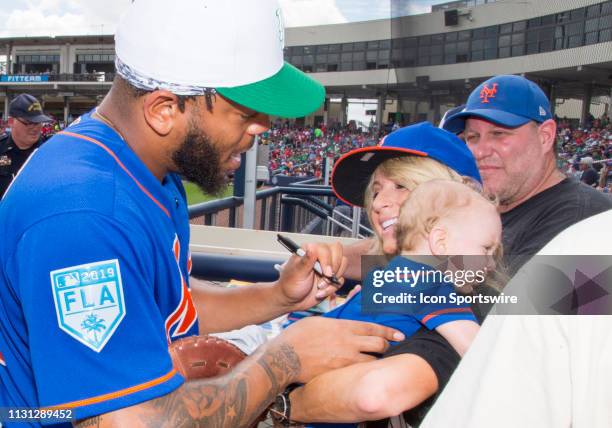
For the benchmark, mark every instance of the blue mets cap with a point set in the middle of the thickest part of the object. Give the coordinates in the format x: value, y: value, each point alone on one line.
x: 353, y: 170
x: 509, y: 101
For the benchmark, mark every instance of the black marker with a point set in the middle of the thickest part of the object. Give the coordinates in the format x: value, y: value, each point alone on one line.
x: 295, y: 249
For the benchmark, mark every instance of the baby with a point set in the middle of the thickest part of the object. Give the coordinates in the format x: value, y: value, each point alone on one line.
x: 440, y: 219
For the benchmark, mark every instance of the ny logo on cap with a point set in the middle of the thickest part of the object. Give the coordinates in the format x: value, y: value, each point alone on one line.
x: 35, y: 106
x: 487, y: 92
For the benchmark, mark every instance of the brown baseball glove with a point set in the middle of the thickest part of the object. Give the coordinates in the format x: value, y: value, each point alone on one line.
x: 199, y: 357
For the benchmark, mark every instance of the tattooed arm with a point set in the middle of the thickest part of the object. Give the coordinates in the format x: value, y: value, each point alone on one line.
x: 233, y: 400
x: 239, y: 397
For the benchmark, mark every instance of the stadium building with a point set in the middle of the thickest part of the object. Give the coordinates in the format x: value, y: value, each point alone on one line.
x: 415, y: 67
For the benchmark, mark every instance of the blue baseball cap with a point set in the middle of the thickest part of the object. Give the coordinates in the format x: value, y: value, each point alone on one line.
x: 450, y: 113
x: 353, y: 170
x: 509, y: 101
x: 27, y: 107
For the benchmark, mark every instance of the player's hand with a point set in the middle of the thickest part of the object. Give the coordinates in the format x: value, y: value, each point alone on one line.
x: 324, y: 344
x: 299, y: 287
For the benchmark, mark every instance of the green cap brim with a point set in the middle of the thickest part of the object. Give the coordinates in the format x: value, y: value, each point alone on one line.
x: 289, y: 93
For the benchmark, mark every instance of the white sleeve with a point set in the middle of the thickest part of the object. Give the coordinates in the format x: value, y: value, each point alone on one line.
x: 537, y: 370
x: 516, y: 373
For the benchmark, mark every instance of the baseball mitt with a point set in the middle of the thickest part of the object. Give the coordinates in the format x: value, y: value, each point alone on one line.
x: 199, y: 357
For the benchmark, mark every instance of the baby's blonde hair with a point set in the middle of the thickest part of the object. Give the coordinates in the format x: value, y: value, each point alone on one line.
x: 409, y: 172
x: 429, y: 203
x: 435, y: 200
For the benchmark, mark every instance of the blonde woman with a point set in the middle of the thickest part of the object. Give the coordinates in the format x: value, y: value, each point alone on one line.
x: 380, y: 179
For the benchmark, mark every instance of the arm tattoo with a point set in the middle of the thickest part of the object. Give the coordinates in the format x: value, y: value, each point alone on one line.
x: 233, y: 400
x: 280, y: 367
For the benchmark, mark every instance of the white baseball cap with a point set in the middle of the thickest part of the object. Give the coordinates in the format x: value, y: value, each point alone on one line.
x: 233, y: 47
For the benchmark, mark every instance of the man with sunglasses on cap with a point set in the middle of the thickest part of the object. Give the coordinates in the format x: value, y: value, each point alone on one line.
x: 26, y: 119
x: 508, y: 126
x: 94, y: 259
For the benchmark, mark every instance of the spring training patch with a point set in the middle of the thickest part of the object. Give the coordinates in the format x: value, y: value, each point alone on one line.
x: 89, y: 301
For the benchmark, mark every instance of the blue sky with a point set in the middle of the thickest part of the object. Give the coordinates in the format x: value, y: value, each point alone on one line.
x: 62, y: 17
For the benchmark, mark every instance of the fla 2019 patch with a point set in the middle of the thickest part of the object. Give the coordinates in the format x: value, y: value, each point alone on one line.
x: 89, y: 301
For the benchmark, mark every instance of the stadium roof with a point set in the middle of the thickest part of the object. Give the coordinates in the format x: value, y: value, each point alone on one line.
x: 53, y: 40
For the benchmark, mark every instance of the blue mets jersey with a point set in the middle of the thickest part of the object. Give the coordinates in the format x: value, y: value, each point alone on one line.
x: 94, y: 267
x: 409, y: 317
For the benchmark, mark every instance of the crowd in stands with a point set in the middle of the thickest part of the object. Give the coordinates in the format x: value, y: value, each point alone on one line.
x: 587, y: 152
x: 301, y: 150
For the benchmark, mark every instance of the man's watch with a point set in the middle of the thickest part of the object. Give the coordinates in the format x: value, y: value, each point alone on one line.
x: 281, y: 409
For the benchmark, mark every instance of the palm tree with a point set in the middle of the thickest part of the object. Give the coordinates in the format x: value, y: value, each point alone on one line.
x: 93, y: 324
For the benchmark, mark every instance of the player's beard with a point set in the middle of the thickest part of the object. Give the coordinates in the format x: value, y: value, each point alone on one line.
x: 199, y: 161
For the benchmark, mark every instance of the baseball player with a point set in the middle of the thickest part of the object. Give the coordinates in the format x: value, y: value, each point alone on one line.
x: 94, y: 260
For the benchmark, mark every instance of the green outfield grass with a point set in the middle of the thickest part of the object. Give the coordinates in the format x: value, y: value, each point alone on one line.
x: 195, y: 195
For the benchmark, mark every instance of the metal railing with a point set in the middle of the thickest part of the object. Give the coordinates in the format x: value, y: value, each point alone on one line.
x: 304, y: 207
x: 276, y: 208
x: 346, y: 223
